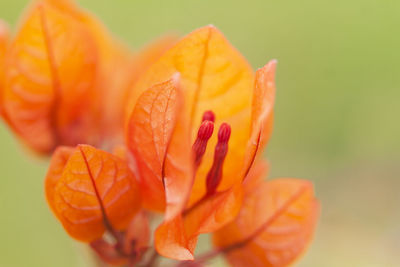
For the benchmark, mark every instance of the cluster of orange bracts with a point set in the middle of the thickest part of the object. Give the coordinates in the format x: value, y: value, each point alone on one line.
x: 177, y: 129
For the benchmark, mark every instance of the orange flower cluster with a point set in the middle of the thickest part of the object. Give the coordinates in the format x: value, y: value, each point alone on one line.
x: 177, y: 129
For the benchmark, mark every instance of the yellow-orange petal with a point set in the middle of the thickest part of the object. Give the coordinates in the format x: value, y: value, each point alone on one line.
x: 95, y: 187
x: 49, y: 79
x: 214, y: 77
x: 261, y: 113
x: 274, y: 226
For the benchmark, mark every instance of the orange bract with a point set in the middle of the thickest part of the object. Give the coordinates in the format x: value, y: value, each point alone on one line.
x: 275, y: 224
x: 49, y: 80
x: 94, y: 188
x: 151, y: 126
x: 262, y: 113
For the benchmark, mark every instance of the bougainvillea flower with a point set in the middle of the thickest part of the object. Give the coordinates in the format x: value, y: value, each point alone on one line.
x: 66, y: 78
x: 186, y: 123
x: 218, y: 88
x: 214, y: 77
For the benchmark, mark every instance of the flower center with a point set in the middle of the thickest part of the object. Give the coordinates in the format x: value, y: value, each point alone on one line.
x: 204, y: 133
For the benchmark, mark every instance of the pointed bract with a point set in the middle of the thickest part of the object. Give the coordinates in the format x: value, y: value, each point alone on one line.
x: 275, y: 224
x: 149, y: 135
x: 95, y: 192
x: 261, y: 114
x: 48, y: 95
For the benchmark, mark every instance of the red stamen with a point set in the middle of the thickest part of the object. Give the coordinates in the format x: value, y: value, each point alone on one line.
x: 200, y: 145
x: 214, y: 176
x: 209, y: 116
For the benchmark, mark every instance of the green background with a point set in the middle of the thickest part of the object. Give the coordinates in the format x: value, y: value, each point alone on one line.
x: 337, y: 119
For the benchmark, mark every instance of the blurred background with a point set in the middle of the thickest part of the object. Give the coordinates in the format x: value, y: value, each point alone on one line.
x: 337, y: 119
